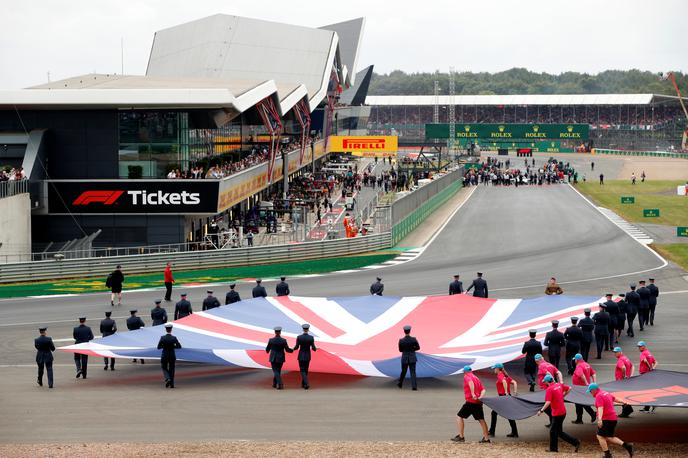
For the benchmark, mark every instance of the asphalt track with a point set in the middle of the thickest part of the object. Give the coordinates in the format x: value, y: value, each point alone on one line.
x: 517, y: 237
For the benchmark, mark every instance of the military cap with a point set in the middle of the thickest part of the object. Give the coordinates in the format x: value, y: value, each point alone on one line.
x: 574, y: 319
x: 532, y: 331
x: 157, y: 302
x: 168, y: 326
x: 602, y: 305
x: 632, y: 285
x: 82, y: 318
x: 305, y: 326
x: 183, y: 294
x: 278, y: 328
x: 555, y: 322
x: 232, y: 285
x: 378, y: 278
x: 587, y: 310
x: 456, y: 276
x: 107, y: 314
x: 42, y: 329
x: 642, y: 282
x: 609, y: 295
x: 258, y: 280
x: 283, y: 278
x: 209, y: 291
x: 480, y: 274
x: 407, y: 328
x: 132, y: 311
x: 622, y: 295
x: 651, y: 279
x: 119, y: 266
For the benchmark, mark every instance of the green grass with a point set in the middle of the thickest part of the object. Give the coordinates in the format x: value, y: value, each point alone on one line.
x: 676, y: 252
x: 673, y: 209
x: 93, y: 285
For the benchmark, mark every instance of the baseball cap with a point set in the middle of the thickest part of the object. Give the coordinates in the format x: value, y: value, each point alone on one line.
x: 538, y: 357
x: 617, y: 350
x: 642, y: 344
x: 578, y: 357
x: 467, y: 368
x: 498, y: 366
x: 548, y: 378
x: 592, y: 386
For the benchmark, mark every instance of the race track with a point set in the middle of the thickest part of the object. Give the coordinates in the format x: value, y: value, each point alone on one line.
x: 517, y: 237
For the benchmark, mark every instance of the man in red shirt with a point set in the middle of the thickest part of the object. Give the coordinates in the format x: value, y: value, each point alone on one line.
x: 168, y: 282
x: 623, y: 370
x: 583, y: 375
x: 473, y: 391
x: 606, y: 420
x: 647, y: 364
x: 554, y: 399
x: 504, y: 384
x: 545, y: 368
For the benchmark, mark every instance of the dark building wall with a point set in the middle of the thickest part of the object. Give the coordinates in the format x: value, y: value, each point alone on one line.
x: 118, y: 230
x: 83, y: 144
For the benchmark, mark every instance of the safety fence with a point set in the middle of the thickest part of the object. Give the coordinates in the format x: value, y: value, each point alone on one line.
x: 14, y: 187
x: 231, y: 257
x: 640, y: 153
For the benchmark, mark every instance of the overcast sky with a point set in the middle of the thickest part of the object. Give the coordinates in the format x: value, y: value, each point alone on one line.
x: 73, y: 37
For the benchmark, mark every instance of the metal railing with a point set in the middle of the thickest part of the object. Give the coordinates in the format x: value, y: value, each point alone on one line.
x: 14, y: 187
x: 147, y: 263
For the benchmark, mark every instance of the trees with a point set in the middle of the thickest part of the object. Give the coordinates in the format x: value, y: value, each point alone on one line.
x: 523, y: 81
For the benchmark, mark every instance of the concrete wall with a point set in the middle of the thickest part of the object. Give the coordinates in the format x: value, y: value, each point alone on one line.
x: 15, y: 228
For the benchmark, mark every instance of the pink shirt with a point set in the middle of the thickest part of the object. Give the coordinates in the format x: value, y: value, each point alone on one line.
x: 622, y: 362
x: 646, y: 361
x: 477, y: 387
x: 581, y: 370
x: 606, y: 400
x: 543, y: 369
x: 555, y: 395
x: 501, y: 378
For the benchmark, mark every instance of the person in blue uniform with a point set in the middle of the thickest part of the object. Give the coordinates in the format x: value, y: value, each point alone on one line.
x: 654, y: 294
x: 168, y: 357
x: 182, y: 308
x: 44, y: 356
x: 304, y: 344
x: 232, y: 296
x: 81, y: 334
x: 210, y: 302
x: 259, y: 289
x: 455, y: 287
x: 107, y: 328
x: 587, y: 326
x: 158, y: 314
x: 135, y: 323
x: 644, y: 305
x: 601, y: 320
x: 554, y: 341
x: 377, y: 288
x: 479, y: 286
x: 408, y: 346
x: 282, y: 288
x: 531, y: 348
x: 573, y: 336
x: 632, y: 305
x: 277, y: 346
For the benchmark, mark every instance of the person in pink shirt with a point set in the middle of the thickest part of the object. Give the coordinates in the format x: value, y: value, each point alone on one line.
x: 473, y: 391
x: 583, y: 375
x: 623, y: 370
x: 554, y: 399
x: 607, y: 420
x: 545, y: 368
x: 648, y: 363
x: 504, y: 388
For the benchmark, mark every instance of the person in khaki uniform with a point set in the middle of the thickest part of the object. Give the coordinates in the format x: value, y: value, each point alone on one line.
x: 552, y: 288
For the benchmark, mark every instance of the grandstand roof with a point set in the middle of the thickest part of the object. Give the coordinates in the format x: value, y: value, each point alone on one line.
x: 350, y: 34
x: 529, y: 99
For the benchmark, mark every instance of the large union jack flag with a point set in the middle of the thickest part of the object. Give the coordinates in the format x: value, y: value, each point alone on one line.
x: 356, y: 335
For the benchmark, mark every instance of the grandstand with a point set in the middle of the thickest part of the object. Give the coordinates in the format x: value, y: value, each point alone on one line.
x: 617, y: 121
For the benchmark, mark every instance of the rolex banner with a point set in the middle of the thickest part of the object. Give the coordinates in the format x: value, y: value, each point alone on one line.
x: 505, y: 132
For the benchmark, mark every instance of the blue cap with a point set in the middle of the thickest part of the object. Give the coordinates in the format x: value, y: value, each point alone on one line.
x: 642, y: 343
x: 578, y: 357
x: 467, y: 368
x: 617, y: 350
x: 548, y: 378
x: 538, y: 357
x: 498, y: 366
x: 592, y: 386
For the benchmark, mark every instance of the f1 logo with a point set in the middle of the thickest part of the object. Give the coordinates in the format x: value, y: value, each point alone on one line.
x: 103, y: 197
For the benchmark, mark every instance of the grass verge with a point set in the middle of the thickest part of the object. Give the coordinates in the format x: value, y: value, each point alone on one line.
x: 676, y: 252
x: 93, y: 285
x: 651, y: 194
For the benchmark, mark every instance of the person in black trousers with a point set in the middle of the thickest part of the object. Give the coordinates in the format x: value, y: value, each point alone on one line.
x: 654, y: 291
x: 44, y: 356
x: 504, y: 385
x: 276, y: 347
x: 408, y: 346
x: 107, y: 328
x: 81, y: 334
x: 168, y: 358
x: 304, y: 344
x: 531, y: 348
x: 587, y: 326
x: 601, y: 320
x: 632, y: 305
x: 554, y: 341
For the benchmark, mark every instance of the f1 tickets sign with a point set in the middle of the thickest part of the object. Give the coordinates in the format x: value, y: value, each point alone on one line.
x: 381, y: 146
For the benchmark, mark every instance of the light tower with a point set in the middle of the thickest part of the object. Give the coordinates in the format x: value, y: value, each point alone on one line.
x: 452, y: 113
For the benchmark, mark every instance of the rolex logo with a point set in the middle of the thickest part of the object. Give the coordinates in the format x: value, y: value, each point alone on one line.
x: 467, y: 128
x: 569, y: 128
x: 536, y: 128
x: 501, y: 128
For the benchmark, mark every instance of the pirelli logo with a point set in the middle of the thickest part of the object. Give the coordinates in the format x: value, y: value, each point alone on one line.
x: 102, y: 197
x: 363, y: 144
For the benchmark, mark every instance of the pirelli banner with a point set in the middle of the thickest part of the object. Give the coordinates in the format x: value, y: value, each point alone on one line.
x: 133, y: 196
x: 366, y: 146
x: 502, y: 132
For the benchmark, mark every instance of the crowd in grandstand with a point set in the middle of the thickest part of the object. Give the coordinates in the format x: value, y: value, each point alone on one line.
x: 12, y: 174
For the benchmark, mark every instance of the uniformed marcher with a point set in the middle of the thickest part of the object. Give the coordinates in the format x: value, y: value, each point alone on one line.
x: 81, y: 334
x: 456, y: 287
x: 587, y: 326
x: 479, y: 287
x: 554, y: 341
x: 182, y: 308
x: 210, y: 302
x: 232, y: 296
x: 643, y: 305
x: 654, y: 294
x: 168, y: 357
x: 304, y: 344
x: 632, y: 304
x: 259, y: 289
x: 621, y: 317
x: 282, y: 288
x: 408, y: 346
x: 276, y: 347
x: 531, y: 348
x: 158, y: 314
x: 377, y: 288
x: 107, y: 328
x: 134, y: 323
x: 613, y: 311
x: 574, y: 337
x: 44, y: 356
x: 601, y: 320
